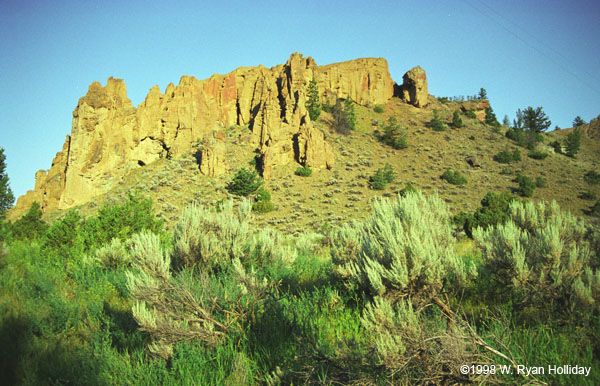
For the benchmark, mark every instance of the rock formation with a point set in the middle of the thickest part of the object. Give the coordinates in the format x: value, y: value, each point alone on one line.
x: 110, y: 135
x: 414, y: 87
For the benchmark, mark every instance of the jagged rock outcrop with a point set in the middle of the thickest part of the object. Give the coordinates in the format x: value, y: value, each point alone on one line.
x: 414, y: 87
x: 110, y: 135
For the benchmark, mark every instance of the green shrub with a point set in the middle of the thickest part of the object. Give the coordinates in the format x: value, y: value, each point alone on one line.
x: 537, y: 155
x: 209, y: 239
x: 542, y: 255
x: 405, y: 248
x: 303, y: 171
x: 494, y: 209
x: 244, y: 183
x: 557, y: 147
x: 540, y: 182
x: 172, y: 308
x: 262, y: 202
x: 592, y: 177
x: 454, y: 177
x: 394, y: 135
x: 344, y: 118
x: 472, y: 137
x: 526, y: 185
x: 382, y: 177
x: 506, y: 157
x: 587, y: 195
x: 378, y: 109
x: 30, y: 226
x: 436, y: 123
x: 456, y: 120
x: 408, y: 188
x: 595, y: 210
x: 471, y: 114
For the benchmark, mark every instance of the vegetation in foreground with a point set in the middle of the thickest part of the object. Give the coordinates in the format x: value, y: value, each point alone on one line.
x: 394, y: 299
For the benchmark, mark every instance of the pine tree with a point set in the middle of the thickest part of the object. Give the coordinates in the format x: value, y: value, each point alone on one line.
x: 573, y: 142
x: 6, y: 195
x: 482, y: 94
x: 349, y: 110
x: 578, y: 121
x: 313, y: 103
x: 456, y: 120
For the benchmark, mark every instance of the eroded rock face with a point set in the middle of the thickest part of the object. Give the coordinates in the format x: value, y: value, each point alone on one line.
x: 110, y: 135
x: 414, y: 87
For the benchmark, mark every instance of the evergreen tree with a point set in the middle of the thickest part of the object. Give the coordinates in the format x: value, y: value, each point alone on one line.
x: 313, y: 103
x: 456, y: 120
x: 244, y: 183
x: 6, y: 195
x: 30, y: 226
x: 573, y: 142
x: 344, y: 118
x: 349, y: 110
x: 490, y: 117
x: 482, y: 94
x: 533, y: 120
x: 578, y: 121
x: 506, y: 121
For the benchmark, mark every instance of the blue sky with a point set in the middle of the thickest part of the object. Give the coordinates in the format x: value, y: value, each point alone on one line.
x: 525, y: 53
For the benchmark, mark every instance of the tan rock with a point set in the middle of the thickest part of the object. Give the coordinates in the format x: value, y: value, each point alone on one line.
x: 414, y: 87
x: 212, y: 156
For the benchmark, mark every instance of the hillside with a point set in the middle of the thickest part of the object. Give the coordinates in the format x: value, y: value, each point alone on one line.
x: 176, y: 169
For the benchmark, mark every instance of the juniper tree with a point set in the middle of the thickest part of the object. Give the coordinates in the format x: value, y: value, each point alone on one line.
x: 456, y: 120
x: 313, y: 104
x: 6, y: 195
x: 573, y: 142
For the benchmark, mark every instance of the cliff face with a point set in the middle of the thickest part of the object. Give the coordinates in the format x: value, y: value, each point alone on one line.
x: 109, y: 134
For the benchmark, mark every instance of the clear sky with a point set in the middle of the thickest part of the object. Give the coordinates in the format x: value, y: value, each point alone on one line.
x: 525, y: 53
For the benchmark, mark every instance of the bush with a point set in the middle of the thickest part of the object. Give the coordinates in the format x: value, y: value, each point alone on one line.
x: 542, y: 255
x: 494, y: 210
x: 378, y: 109
x: 172, y: 308
x: 408, y: 188
x: 454, y: 177
x: 303, y: 171
x: 557, y: 147
x: 471, y: 114
x: 595, y: 210
x: 540, y: 182
x: 436, y: 123
x: 394, y: 135
x: 405, y: 248
x: 505, y: 157
x: 526, y: 185
x: 30, y: 226
x: 262, y: 202
x: 382, y: 177
x: 537, y: 155
x: 592, y: 177
x: 244, y: 183
x: 209, y: 239
x: 456, y: 120
x: 588, y: 196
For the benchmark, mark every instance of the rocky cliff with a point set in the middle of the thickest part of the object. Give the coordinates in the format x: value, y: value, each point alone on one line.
x: 110, y: 135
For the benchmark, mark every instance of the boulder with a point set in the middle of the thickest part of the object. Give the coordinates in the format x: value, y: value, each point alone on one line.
x: 414, y: 87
